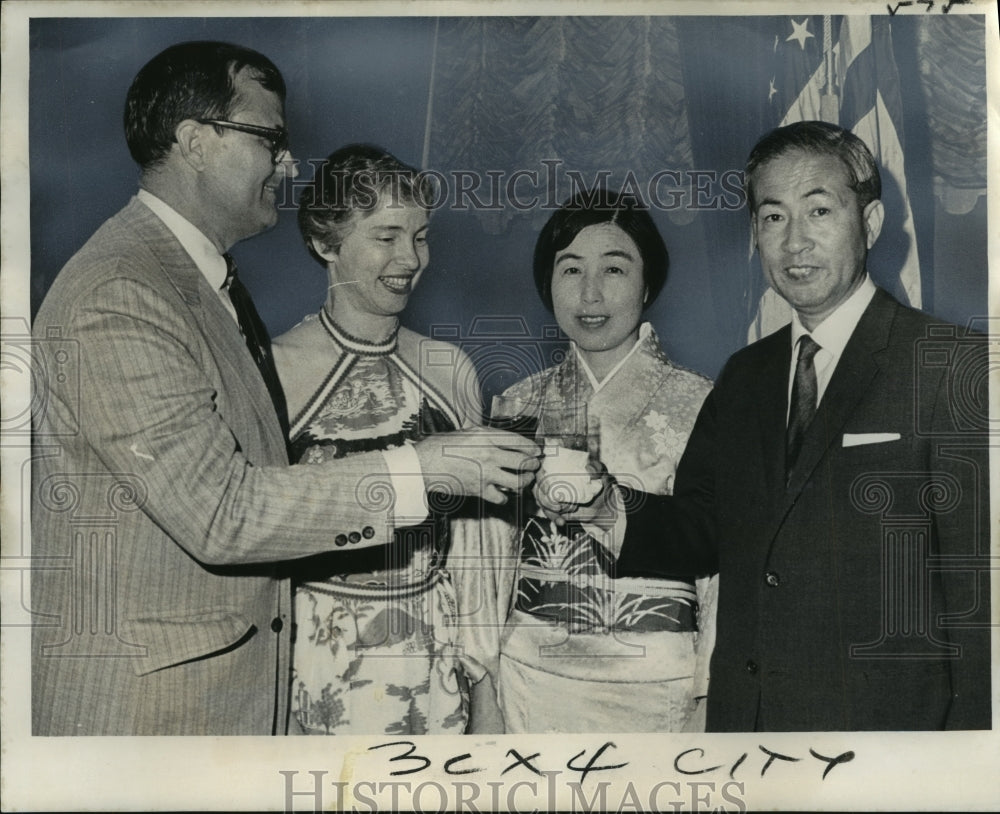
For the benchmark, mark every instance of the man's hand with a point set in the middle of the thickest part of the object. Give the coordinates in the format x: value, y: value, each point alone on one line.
x: 601, y: 511
x: 478, y: 462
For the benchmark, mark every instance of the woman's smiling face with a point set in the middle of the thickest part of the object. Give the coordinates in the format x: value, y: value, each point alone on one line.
x: 378, y: 261
x: 598, y: 291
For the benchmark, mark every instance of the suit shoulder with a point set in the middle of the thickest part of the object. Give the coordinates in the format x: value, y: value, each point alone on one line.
x: 117, y: 238
x: 114, y: 252
x: 763, y: 349
x: 918, y: 338
x: 922, y: 324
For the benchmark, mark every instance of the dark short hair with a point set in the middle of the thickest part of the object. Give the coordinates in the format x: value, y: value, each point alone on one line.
x: 190, y: 80
x: 821, y: 138
x: 592, y: 208
x: 354, y: 179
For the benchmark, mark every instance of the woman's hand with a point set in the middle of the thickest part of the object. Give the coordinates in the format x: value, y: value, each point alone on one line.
x: 478, y: 462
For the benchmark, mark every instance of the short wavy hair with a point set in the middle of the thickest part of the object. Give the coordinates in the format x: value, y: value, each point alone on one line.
x: 592, y: 208
x: 190, y: 80
x: 821, y: 138
x: 354, y: 180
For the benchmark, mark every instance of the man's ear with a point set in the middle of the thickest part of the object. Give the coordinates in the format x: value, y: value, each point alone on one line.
x: 753, y: 233
x: 873, y: 215
x: 189, y: 135
x: 324, y: 251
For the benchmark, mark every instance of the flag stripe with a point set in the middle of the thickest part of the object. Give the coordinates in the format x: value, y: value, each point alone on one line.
x: 888, y: 74
x: 859, y: 88
x: 872, y: 69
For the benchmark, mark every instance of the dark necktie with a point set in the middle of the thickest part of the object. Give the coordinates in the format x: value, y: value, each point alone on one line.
x: 257, y: 340
x: 803, y: 404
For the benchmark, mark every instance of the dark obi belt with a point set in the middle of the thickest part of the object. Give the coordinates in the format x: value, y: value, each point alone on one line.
x: 592, y: 602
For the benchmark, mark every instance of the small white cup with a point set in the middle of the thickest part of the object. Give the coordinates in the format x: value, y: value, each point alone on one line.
x: 564, y: 475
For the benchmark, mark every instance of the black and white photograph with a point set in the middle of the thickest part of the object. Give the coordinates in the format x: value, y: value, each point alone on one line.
x: 548, y: 407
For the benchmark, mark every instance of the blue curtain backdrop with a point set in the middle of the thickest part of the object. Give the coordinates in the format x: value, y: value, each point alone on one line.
x: 631, y: 97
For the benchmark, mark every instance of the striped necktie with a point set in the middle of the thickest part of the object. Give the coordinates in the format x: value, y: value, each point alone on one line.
x: 803, y: 402
x: 257, y: 339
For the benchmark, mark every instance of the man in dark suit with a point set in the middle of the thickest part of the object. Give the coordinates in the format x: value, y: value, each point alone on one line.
x: 162, y: 498
x: 838, y: 472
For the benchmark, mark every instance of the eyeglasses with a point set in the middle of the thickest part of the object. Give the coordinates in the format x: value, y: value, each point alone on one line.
x: 278, y: 136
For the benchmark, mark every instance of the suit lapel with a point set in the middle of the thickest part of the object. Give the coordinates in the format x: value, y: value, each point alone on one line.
x: 852, y: 378
x: 179, y: 268
x: 215, y: 323
x: 771, y: 401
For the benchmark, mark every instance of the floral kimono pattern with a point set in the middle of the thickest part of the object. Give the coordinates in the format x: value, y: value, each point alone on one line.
x: 581, y: 650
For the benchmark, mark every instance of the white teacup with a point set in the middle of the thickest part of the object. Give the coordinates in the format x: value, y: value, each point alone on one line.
x: 564, y: 476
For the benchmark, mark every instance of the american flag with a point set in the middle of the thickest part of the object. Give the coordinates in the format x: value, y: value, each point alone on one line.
x: 842, y: 70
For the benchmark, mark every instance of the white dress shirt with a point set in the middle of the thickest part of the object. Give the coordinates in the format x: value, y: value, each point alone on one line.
x: 832, y: 335
x: 199, y: 248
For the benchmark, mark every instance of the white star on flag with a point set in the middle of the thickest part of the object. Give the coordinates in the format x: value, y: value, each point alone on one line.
x: 800, y: 33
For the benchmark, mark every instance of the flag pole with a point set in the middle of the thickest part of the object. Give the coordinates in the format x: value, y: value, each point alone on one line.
x: 829, y: 104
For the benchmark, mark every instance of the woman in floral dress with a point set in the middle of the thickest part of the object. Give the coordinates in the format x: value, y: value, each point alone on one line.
x: 375, y: 641
x: 581, y: 651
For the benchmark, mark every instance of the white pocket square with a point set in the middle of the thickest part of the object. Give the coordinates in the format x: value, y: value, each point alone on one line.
x: 852, y: 439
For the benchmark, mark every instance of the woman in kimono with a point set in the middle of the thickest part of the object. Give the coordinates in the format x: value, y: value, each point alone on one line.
x: 374, y: 650
x: 581, y: 651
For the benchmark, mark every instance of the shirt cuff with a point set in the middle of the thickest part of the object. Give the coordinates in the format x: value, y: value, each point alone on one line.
x: 611, y: 538
x: 410, y: 508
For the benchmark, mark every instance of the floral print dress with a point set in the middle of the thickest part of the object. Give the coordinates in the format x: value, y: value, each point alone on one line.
x: 582, y: 651
x: 374, y: 649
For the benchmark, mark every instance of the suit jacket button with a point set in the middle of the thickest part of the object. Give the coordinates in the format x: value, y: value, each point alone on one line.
x: 340, y: 539
x: 367, y: 532
x: 772, y: 579
x: 354, y: 537
x: 751, y: 666
x: 277, y: 624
